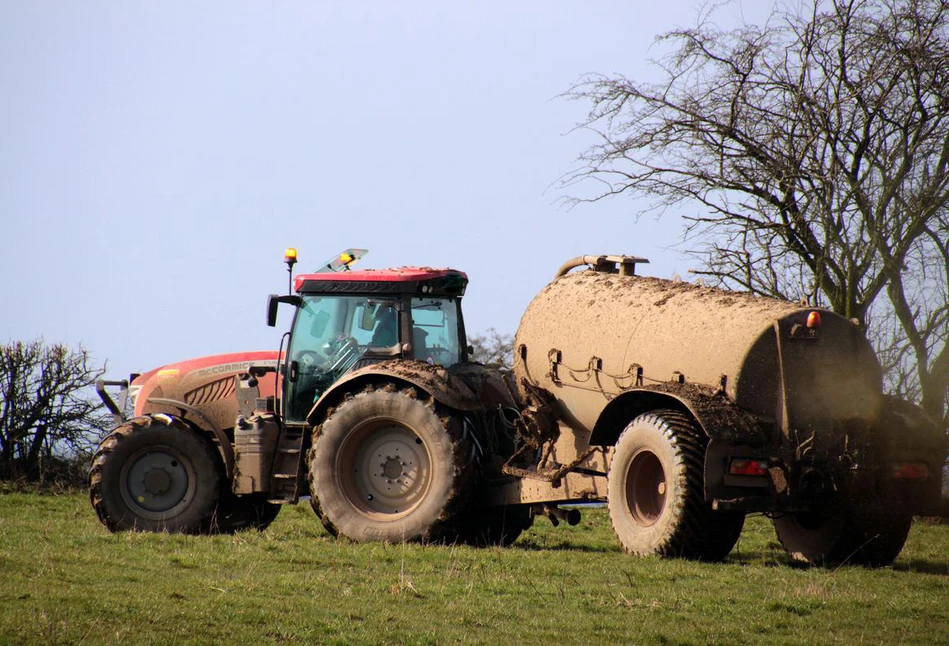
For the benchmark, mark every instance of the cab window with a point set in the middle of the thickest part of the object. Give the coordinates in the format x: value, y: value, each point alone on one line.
x: 435, y: 337
x: 330, y: 335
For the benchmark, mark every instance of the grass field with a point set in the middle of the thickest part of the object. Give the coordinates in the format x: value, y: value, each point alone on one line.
x: 65, y: 580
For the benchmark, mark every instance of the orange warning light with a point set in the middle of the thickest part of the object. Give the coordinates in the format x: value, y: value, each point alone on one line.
x: 290, y: 256
x: 813, y: 320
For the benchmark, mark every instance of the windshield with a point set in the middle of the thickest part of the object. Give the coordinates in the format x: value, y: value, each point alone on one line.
x: 330, y: 336
x: 435, y: 337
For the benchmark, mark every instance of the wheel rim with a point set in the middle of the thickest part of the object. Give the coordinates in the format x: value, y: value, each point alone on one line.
x: 385, y: 470
x: 157, y: 483
x: 646, y: 488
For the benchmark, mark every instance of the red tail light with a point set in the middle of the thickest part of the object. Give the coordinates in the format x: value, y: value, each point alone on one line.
x: 909, y: 470
x: 747, y: 467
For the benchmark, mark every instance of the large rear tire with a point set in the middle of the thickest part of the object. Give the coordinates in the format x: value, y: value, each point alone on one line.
x: 386, y: 466
x: 318, y: 510
x: 656, y: 495
x: 155, y: 473
x: 870, y: 539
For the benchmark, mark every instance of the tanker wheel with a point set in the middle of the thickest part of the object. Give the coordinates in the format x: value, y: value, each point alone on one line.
x: 871, y: 539
x: 155, y: 473
x: 236, y: 513
x: 656, y: 496
x: 386, y: 466
x: 487, y: 526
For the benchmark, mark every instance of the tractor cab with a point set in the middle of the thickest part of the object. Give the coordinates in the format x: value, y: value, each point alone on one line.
x: 351, y: 319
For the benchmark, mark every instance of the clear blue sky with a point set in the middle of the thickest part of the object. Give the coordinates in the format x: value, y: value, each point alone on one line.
x: 157, y: 157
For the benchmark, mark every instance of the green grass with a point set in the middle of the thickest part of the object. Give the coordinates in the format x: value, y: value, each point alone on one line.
x: 65, y: 580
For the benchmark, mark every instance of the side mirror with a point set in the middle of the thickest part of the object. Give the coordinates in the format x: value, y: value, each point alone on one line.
x: 273, y: 301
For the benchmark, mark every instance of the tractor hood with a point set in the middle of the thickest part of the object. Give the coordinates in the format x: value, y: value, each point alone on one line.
x: 200, y: 381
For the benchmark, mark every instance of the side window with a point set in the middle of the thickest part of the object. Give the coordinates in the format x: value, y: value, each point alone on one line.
x: 435, y: 330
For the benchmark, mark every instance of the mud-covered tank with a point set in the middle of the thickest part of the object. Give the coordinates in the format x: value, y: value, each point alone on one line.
x: 591, y: 335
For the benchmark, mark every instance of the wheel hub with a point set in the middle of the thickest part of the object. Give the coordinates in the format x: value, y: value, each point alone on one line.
x: 157, y: 482
x: 646, y: 488
x: 392, y: 468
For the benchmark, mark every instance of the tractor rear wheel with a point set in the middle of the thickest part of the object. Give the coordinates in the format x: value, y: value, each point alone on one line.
x: 871, y: 539
x: 386, y: 466
x: 318, y: 510
x: 155, y: 473
x: 656, y: 490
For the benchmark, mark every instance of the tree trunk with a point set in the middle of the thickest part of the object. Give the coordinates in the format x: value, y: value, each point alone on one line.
x: 32, y: 465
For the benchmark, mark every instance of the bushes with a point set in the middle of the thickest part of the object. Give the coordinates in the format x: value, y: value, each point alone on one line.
x: 50, y: 420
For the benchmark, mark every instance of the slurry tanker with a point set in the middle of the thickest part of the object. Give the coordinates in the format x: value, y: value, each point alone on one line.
x: 682, y: 407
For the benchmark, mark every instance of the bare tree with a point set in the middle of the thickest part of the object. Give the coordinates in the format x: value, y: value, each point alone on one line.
x: 493, y: 349
x: 817, y: 147
x: 45, y: 409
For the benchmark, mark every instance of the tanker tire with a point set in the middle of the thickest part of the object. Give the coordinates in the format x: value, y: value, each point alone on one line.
x: 869, y: 539
x: 877, y: 539
x: 655, y: 492
x: 155, y: 473
x: 237, y: 513
x: 386, y: 466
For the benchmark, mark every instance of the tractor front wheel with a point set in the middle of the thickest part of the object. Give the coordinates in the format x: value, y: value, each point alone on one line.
x: 155, y: 473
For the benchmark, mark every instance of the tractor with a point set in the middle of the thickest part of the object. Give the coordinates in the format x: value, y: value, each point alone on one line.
x: 371, y: 408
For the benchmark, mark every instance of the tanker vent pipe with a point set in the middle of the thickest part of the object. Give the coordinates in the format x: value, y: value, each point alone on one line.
x: 622, y: 265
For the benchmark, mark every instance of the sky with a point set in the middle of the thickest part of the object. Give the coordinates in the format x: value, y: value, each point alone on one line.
x: 156, y: 158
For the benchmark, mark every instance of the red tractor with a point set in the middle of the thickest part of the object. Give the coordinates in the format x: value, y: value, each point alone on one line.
x: 218, y: 443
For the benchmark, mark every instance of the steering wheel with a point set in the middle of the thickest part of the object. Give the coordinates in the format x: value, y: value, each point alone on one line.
x: 309, y: 360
